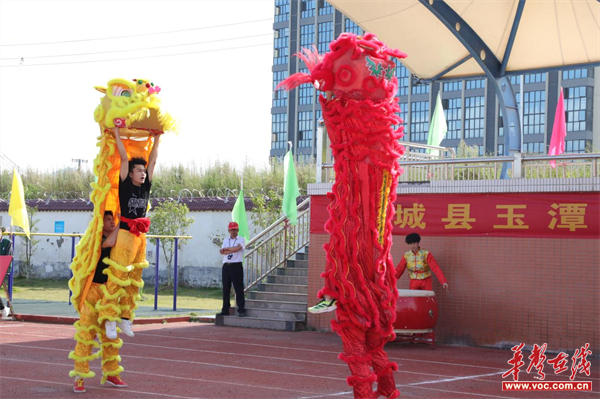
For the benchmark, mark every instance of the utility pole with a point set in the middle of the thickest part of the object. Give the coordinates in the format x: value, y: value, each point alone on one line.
x: 79, y: 162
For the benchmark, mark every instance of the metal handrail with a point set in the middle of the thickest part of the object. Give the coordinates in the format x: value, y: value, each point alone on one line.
x: 276, y: 246
x: 81, y: 235
x: 273, y: 225
x: 526, y: 158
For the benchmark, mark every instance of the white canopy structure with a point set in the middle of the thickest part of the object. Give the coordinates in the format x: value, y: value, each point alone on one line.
x: 465, y: 38
x: 516, y: 36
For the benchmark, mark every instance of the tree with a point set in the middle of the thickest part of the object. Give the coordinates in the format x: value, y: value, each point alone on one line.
x: 170, y: 219
x: 30, y: 244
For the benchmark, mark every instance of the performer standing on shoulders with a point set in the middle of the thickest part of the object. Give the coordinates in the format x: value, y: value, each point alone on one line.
x: 128, y: 257
x: 420, y: 263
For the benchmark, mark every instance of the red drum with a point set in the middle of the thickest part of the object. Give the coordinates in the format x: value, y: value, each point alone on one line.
x: 415, y: 310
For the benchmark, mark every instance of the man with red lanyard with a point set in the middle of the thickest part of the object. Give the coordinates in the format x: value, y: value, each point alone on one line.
x: 420, y: 263
x: 128, y: 256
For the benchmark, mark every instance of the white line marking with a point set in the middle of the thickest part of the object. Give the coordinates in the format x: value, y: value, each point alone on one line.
x: 218, y: 382
x: 473, y: 377
x: 29, y: 380
x: 198, y: 363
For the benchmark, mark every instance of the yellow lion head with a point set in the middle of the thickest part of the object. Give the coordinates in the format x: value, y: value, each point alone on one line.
x: 133, y: 106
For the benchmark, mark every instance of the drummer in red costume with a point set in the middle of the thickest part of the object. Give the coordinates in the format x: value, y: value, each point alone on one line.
x: 420, y: 263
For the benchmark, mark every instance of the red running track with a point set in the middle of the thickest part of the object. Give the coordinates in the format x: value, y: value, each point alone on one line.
x: 189, y: 360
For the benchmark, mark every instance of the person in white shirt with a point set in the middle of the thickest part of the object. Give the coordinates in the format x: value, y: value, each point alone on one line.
x: 233, y: 272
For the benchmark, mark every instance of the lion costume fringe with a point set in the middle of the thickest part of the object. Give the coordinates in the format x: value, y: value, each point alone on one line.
x: 135, y: 108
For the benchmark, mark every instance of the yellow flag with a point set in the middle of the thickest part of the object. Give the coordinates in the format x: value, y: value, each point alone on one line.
x: 17, y: 209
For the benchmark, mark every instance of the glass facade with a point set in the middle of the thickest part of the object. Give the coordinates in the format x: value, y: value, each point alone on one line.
x: 325, y: 8
x: 351, y: 27
x: 453, y: 114
x: 419, y: 121
x: 474, y: 114
x: 282, y: 10
x: 281, y: 52
x: 534, y: 112
x: 280, y: 97
x: 325, y: 36
x: 279, y: 131
x: 307, y: 8
x: 576, y: 73
x: 305, y: 129
x: 576, y: 105
x: 454, y: 85
x: 467, y: 114
x: 305, y: 91
x: 307, y: 36
x: 403, y: 76
x: 475, y: 84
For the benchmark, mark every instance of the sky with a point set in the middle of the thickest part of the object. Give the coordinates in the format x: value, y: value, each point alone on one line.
x: 220, y: 93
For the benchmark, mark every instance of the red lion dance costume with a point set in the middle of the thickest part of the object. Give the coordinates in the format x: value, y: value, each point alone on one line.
x: 360, y: 107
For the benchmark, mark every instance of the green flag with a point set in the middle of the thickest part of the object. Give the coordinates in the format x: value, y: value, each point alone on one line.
x: 239, y: 216
x: 290, y: 189
x: 438, y: 127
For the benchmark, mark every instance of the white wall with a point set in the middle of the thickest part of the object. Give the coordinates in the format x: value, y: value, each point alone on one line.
x: 199, y: 260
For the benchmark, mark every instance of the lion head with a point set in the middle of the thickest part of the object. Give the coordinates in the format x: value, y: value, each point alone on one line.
x: 133, y: 106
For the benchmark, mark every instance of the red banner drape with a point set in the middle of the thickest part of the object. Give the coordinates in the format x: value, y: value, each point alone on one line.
x: 543, y: 215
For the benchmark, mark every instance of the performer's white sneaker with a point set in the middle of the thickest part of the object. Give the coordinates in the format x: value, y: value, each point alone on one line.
x: 111, y: 329
x: 5, y: 313
x: 125, y: 326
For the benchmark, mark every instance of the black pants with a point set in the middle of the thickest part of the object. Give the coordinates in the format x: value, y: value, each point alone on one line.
x: 233, y: 273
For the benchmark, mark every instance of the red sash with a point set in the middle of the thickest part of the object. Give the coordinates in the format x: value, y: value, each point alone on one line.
x: 137, y: 226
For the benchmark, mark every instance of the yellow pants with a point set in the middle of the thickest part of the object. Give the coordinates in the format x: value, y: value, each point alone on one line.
x: 87, y: 328
x: 126, y: 263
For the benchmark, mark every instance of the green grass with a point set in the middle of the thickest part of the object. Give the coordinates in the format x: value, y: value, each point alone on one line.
x: 58, y: 290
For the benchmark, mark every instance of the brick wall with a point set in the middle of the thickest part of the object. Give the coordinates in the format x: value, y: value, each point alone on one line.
x: 504, y: 290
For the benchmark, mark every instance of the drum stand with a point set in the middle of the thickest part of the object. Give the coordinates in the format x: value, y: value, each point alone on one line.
x: 426, y: 336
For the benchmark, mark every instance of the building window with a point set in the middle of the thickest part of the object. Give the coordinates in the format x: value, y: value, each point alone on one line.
x: 534, y: 148
x: 576, y: 105
x: 454, y: 85
x: 422, y: 88
x: 501, y: 122
x: 307, y: 36
x: 474, y: 113
x: 535, y: 77
x: 500, y: 150
x: 307, y: 9
x: 305, y: 129
x: 353, y: 28
x: 402, y: 74
x: 279, y: 129
x: 325, y: 8
x: 281, y: 53
x: 282, y: 10
x: 279, y: 96
x: 305, y: 91
x: 475, y: 84
x: 534, y: 112
x: 576, y: 74
x: 318, y: 115
x: 325, y: 36
x: 575, y: 146
x: 419, y: 121
x: 403, y: 114
x: 515, y: 80
x: 453, y: 113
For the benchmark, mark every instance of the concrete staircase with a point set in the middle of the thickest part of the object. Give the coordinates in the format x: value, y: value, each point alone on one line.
x: 277, y: 304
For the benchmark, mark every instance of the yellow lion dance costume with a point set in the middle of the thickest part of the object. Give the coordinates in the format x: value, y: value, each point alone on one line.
x: 135, y: 108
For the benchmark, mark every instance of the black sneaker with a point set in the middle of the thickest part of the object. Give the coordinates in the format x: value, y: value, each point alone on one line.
x: 223, y: 314
x: 241, y: 313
